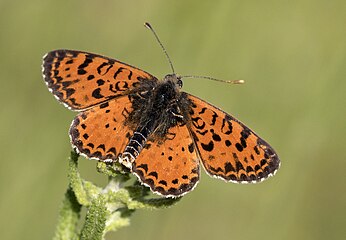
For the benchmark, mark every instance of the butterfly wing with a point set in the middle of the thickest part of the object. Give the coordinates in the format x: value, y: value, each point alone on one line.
x: 101, y: 132
x: 81, y: 80
x: 170, y: 168
x: 227, y: 148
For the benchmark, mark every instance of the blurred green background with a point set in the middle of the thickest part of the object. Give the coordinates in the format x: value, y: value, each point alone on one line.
x: 292, y: 55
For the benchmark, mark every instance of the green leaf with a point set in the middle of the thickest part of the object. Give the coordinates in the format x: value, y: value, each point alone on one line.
x: 96, y: 217
x: 113, y: 169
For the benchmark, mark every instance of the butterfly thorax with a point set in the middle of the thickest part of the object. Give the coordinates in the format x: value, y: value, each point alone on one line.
x: 157, y: 106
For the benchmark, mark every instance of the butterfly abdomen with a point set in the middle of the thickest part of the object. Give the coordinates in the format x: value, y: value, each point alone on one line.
x: 134, y: 147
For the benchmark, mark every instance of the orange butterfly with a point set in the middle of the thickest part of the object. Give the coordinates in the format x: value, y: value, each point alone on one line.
x: 150, y: 126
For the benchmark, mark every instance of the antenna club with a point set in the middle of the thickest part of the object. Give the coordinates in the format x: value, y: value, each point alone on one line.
x: 147, y: 25
x: 240, y: 81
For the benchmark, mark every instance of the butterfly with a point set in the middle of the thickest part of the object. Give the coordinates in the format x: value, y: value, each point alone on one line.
x: 161, y: 134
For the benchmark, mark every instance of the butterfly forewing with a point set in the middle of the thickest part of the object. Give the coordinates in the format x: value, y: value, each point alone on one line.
x: 81, y: 80
x: 169, y: 167
x: 227, y: 148
x: 101, y: 132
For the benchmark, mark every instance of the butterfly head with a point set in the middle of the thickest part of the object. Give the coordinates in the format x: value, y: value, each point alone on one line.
x: 174, y: 79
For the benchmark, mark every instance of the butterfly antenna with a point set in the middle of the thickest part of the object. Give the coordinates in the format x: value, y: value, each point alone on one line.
x: 240, y: 81
x: 147, y: 25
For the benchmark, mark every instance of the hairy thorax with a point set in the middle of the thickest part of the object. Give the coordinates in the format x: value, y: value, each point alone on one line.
x: 158, y: 106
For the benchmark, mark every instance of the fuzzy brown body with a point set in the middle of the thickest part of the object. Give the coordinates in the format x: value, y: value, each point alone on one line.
x: 159, y: 106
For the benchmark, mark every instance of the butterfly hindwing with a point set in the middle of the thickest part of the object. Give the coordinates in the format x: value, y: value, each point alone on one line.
x: 101, y: 132
x: 170, y: 168
x: 227, y: 148
x: 81, y: 80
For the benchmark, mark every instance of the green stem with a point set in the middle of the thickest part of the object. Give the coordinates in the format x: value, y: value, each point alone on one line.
x: 68, y: 217
x: 76, y: 181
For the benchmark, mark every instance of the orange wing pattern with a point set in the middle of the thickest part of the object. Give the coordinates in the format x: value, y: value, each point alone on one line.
x: 81, y: 80
x: 100, y: 133
x: 170, y: 168
x: 227, y: 148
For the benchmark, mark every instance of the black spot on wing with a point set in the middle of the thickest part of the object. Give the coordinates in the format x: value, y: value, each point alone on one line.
x: 229, y: 167
x: 239, y: 147
x: 90, y: 77
x: 97, y: 93
x: 208, y: 147
x: 226, y: 127
x: 86, y: 62
x: 117, y: 72
x: 191, y: 147
x: 81, y: 72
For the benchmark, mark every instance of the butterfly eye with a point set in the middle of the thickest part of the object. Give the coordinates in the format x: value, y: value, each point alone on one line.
x: 180, y: 83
